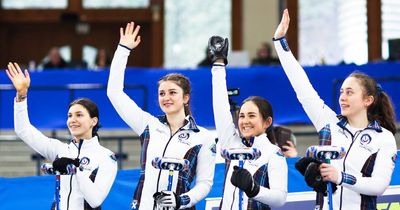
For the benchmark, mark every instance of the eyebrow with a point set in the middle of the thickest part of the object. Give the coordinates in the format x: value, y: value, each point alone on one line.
x: 169, y: 89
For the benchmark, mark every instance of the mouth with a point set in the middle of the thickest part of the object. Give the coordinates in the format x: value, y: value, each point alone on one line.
x: 74, y: 126
x: 246, y: 129
x: 344, y: 106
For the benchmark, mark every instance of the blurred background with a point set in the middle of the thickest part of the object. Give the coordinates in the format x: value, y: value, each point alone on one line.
x: 68, y: 45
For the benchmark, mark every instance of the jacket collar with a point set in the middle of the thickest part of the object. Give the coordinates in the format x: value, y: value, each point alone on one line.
x: 373, y: 124
x: 85, y: 143
x: 189, y: 124
x: 262, y: 137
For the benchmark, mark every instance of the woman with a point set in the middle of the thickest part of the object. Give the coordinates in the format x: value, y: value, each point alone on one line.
x: 263, y: 180
x: 88, y: 188
x: 365, y: 128
x: 173, y: 135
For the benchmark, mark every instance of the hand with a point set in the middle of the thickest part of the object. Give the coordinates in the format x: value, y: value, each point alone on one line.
x: 313, y: 177
x: 130, y: 37
x: 328, y: 172
x: 283, y: 25
x: 242, y: 179
x: 302, y: 164
x: 218, y: 48
x: 61, y: 164
x: 289, y: 150
x: 167, y: 199
x: 21, y: 81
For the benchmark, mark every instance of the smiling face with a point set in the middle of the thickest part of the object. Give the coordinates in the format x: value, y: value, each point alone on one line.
x: 251, y: 122
x: 79, y: 122
x: 171, y: 98
x: 352, y: 100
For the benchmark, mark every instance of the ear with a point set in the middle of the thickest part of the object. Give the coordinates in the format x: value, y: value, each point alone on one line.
x: 95, y: 120
x: 369, y: 100
x: 186, y: 98
x: 268, y: 122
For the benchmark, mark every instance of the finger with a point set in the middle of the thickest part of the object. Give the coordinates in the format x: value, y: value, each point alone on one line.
x: 12, y: 69
x: 131, y: 27
x: 27, y: 74
x: 18, y: 68
x: 121, y: 32
x: 127, y: 29
x: 9, y: 74
x: 136, y: 31
x: 138, y: 40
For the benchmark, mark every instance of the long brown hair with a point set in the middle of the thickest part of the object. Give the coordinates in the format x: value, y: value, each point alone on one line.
x: 265, y: 109
x: 381, y: 109
x: 184, y: 83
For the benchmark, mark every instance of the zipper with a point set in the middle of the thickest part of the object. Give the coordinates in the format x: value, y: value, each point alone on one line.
x: 70, y: 180
x: 165, y: 149
x: 353, y: 139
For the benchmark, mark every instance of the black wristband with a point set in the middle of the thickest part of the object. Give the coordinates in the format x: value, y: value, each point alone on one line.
x: 125, y: 47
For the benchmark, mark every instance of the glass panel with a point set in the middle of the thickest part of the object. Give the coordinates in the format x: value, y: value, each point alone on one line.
x: 390, y: 25
x: 97, y: 4
x: 30, y: 4
x: 345, y: 38
x: 189, y: 26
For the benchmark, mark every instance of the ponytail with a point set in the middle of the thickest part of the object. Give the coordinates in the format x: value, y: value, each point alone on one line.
x: 382, y: 110
x: 271, y: 134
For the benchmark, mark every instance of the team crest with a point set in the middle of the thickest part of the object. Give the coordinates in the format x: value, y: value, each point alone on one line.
x: 365, y: 139
x: 85, y: 161
x: 183, y: 136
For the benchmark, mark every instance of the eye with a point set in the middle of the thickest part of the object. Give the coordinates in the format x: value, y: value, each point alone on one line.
x: 241, y: 116
x: 69, y: 115
x: 172, y: 92
x: 161, y: 94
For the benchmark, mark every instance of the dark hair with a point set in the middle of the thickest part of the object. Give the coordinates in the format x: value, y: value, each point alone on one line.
x: 265, y: 109
x: 381, y: 109
x: 91, y: 107
x: 183, y: 82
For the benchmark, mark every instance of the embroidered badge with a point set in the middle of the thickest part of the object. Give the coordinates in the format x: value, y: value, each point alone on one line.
x: 183, y: 136
x: 365, y: 139
x: 84, y: 161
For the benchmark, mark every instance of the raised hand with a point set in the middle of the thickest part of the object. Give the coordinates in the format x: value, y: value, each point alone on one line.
x: 218, y: 48
x: 20, y: 80
x: 283, y: 25
x: 129, y: 37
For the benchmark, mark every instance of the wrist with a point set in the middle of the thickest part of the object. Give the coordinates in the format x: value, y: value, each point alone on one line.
x: 20, y: 97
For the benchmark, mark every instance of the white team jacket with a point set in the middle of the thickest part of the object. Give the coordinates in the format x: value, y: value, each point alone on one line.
x: 366, y: 170
x: 191, y: 142
x: 99, y: 163
x: 269, y: 170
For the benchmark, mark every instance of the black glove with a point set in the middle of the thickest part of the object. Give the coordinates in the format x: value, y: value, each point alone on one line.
x: 309, y: 167
x: 302, y: 163
x: 60, y: 164
x: 242, y: 179
x: 218, y: 48
x: 167, y: 199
